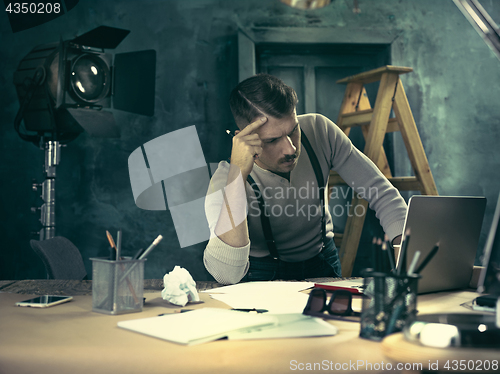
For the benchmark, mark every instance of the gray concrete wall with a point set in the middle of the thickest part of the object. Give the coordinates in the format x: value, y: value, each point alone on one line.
x: 453, y: 93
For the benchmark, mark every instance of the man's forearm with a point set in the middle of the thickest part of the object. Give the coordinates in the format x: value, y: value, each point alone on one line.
x: 232, y: 226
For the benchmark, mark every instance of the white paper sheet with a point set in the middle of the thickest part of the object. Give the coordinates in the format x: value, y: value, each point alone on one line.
x: 200, y: 325
x: 262, y: 287
x: 276, y: 297
x: 290, y: 326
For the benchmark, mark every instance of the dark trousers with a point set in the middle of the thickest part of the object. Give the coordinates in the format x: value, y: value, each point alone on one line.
x: 324, y: 264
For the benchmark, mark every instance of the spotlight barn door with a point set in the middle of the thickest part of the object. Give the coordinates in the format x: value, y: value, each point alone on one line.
x: 134, y: 82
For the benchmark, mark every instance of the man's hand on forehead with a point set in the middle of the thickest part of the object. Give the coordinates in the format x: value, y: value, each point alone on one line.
x: 247, y: 146
x: 252, y: 127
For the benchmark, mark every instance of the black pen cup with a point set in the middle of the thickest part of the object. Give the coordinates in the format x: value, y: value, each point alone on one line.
x: 117, y: 286
x: 389, y: 301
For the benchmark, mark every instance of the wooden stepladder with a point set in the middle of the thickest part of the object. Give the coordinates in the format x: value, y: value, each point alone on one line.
x: 375, y: 123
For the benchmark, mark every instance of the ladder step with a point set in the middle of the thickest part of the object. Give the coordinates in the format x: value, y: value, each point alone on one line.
x: 359, y: 118
x: 364, y: 117
x: 374, y: 75
x: 406, y: 183
x: 392, y: 125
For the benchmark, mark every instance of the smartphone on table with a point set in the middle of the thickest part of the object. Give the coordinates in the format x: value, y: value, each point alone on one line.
x: 44, y: 301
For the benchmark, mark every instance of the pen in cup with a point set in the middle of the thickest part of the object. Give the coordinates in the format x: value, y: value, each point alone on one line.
x: 112, y: 253
x: 139, y: 252
x: 118, y: 245
x: 387, y: 249
x: 380, y: 259
x: 151, y: 247
x: 426, y: 260
x: 129, y: 284
x: 374, y: 254
x: 402, y: 253
x: 413, y: 263
x: 143, y: 255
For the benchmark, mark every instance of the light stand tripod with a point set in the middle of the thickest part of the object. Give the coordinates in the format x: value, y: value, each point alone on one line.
x: 47, y: 216
x: 62, y: 88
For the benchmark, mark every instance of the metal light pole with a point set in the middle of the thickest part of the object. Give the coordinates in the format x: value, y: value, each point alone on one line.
x: 48, y: 209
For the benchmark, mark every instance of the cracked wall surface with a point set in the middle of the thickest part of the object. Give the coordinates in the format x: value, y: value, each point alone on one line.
x: 453, y: 93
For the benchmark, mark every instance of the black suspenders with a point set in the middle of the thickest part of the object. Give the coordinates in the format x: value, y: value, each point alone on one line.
x: 264, y: 218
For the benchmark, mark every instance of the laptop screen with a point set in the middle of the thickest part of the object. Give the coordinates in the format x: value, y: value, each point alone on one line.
x: 489, y: 280
x: 455, y: 223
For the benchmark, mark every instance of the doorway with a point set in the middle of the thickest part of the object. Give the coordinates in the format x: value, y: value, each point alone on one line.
x: 313, y: 69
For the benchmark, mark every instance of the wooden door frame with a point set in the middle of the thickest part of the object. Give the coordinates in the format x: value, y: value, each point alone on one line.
x: 248, y: 38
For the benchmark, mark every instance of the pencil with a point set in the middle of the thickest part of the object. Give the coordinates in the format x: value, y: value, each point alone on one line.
x: 380, y: 260
x: 118, y: 245
x: 112, y: 244
x: 374, y: 253
x: 414, y: 261
x: 151, y: 247
x: 402, y: 253
x: 138, y: 253
x: 426, y: 260
x: 142, y: 256
x: 386, y: 248
x: 130, y: 287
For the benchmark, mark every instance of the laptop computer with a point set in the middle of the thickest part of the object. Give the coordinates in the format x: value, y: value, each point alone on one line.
x: 454, y: 222
x: 489, y: 280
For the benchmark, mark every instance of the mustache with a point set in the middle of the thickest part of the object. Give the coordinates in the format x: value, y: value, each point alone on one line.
x: 289, y: 158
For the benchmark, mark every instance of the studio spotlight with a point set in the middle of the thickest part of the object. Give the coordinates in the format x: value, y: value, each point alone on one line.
x: 63, y: 86
x: 63, y: 89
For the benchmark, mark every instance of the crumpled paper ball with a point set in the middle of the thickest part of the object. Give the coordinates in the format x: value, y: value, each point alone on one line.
x: 180, y: 288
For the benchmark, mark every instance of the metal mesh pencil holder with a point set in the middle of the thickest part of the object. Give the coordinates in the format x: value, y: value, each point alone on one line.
x: 389, y: 301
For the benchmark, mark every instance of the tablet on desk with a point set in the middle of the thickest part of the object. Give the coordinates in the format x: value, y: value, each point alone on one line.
x: 44, y: 301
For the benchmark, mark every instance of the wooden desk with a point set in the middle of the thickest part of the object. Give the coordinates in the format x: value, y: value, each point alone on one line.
x: 72, y: 287
x: 70, y: 338
x: 416, y: 357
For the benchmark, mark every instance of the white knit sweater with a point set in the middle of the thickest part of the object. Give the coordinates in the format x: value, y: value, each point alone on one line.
x: 293, y: 205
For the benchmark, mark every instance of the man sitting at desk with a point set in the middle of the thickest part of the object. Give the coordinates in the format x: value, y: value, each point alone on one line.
x: 285, y: 159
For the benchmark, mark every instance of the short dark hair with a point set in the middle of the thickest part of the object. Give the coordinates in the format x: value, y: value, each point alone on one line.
x: 261, y: 94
